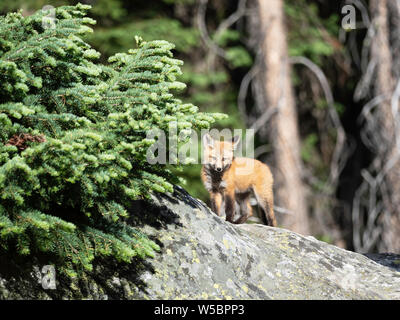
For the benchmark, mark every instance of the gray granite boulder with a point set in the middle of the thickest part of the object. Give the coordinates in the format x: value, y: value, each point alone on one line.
x: 204, y: 257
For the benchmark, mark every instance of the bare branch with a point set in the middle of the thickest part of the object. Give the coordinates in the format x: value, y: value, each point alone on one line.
x: 201, y: 24
x: 365, y: 83
x: 338, y: 158
x: 224, y: 25
x: 232, y: 19
x: 244, y: 87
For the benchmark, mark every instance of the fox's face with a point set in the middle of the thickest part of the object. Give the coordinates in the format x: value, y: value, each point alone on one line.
x: 218, y: 155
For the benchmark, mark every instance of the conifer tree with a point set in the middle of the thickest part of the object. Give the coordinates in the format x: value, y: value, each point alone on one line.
x: 73, y: 138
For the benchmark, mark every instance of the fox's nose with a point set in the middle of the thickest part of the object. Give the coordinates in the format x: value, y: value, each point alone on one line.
x: 219, y: 169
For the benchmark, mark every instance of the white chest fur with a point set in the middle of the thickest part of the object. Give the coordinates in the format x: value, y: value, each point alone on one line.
x: 214, y: 185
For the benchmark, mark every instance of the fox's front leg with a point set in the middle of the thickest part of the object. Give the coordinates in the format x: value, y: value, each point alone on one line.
x: 216, y: 202
x: 229, y: 201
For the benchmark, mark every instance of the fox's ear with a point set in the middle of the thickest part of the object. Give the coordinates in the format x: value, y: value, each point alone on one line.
x: 235, y: 142
x: 208, y: 141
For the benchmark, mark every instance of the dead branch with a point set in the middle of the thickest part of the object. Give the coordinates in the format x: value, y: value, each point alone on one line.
x: 339, y: 157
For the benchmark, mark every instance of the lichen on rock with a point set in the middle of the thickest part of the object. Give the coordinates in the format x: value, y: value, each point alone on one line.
x: 205, y: 257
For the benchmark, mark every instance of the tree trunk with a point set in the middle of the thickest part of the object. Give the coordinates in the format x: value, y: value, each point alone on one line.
x: 388, y: 151
x: 284, y: 131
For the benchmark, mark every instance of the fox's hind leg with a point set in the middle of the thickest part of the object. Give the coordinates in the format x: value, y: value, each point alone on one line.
x: 246, y: 211
x: 265, y: 199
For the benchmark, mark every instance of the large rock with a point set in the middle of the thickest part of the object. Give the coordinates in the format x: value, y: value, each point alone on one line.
x: 204, y: 257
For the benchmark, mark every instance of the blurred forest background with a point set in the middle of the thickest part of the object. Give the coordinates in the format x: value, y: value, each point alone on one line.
x: 323, y: 100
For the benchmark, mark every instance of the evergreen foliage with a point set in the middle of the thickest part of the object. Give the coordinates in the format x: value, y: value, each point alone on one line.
x: 211, y: 89
x: 73, y: 138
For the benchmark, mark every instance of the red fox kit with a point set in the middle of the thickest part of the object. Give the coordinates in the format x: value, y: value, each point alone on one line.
x: 231, y: 180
